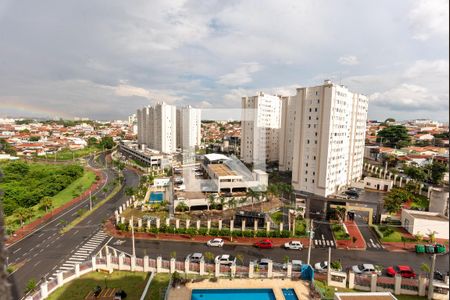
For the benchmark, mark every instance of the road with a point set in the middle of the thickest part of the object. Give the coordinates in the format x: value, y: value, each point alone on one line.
x: 154, y: 248
x: 46, y: 249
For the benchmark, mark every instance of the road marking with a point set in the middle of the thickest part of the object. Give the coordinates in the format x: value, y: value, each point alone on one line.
x: 40, y: 235
x: 17, y: 250
x: 76, y: 232
x: 74, y: 214
x: 37, y: 263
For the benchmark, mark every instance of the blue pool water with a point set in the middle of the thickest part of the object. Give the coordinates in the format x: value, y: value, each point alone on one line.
x: 229, y: 294
x: 289, y: 294
x: 156, y: 197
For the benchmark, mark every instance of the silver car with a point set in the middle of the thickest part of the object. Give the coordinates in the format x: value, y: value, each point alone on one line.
x: 363, y: 268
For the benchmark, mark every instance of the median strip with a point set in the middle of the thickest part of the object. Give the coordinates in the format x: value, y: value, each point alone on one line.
x: 88, y: 213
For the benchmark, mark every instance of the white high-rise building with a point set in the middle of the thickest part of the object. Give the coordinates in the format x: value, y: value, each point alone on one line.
x: 328, y: 140
x: 260, y: 126
x: 157, y: 127
x: 286, y: 145
x: 189, y: 123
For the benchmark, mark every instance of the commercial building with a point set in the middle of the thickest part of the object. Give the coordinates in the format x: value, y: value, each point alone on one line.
x: 145, y: 157
x: 329, y: 136
x: 261, y: 122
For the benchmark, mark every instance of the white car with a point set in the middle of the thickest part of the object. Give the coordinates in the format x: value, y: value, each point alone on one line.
x: 296, y: 265
x: 321, y: 266
x: 225, y: 259
x: 215, y: 243
x: 364, y: 268
x: 294, y: 245
x: 195, y: 257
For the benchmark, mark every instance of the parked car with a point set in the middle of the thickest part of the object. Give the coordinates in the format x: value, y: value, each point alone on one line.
x: 404, y: 271
x: 263, y: 262
x: 296, y: 265
x: 364, y: 269
x: 225, y: 259
x: 438, y: 275
x: 215, y: 243
x: 264, y: 244
x: 294, y: 245
x: 321, y: 266
x: 195, y: 257
x: 352, y: 193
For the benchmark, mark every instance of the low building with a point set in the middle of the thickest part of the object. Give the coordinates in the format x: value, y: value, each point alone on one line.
x: 145, y: 156
x: 365, y: 296
x: 378, y: 184
x: 422, y: 222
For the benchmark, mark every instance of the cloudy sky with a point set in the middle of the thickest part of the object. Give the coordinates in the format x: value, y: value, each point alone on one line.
x: 104, y: 59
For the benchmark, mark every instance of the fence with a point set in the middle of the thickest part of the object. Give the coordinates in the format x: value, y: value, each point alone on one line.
x: 371, y: 282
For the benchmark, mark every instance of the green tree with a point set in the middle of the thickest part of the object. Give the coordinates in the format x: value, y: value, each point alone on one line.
x: 31, y: 285
x: 416, y: 173
x: 222, y: 202
x: 252, y: 194
x: 107, y: 142
x: 129, y: 191
x: 232, y: 203
x: 437, y: 172
x: 394, y: 136
x: 92, y: 141
x: 182, y: 207
x: 46, y: 203
x: 395, y: 198
x: 211, y: 201
x: 23, y: 214
x: 273, y: 190
x: 34, y: 138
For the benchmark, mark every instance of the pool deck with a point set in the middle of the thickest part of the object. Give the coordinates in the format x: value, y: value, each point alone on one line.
x: 300, y: 287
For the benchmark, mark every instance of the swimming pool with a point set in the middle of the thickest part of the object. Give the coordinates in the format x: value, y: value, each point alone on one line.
x: 156, y: 197
x: 228, y: 294
x: 289, y: 294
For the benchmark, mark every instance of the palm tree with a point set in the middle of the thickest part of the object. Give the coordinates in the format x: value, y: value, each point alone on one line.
x: 252, y: 194
x: 222, y: 202
x: 273, y: 190
x: 46, y: 203
x: 211, y: 201
x: 23, y: 214
x: 232, y: 202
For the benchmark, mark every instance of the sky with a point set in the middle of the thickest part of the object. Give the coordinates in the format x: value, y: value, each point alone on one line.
x: 104, y: 59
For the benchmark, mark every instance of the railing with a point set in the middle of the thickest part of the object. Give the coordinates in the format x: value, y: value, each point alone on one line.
x: 410, y: 284
x: 362, y: 280
x: 384, y: 282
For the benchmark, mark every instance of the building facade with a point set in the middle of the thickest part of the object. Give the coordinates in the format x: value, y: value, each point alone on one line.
x: 261, y: 122
x: 157, y: 127
x: 189, y: 124
x: 328, y: 140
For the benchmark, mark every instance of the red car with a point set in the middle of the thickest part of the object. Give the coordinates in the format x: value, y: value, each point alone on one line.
x: 404, y: 271
x: 264, y: 244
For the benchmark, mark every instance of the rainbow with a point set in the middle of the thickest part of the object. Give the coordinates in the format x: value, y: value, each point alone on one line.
x: 35, y: 110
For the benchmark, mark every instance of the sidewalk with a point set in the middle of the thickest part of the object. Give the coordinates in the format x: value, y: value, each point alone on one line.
x: 27, y: 229
x: 353, y: 231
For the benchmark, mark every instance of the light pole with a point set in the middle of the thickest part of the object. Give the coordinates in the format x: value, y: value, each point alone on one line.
x: 132, y: 237
x: 431, y: 276
x: 90, y: 200
x: 311, y: 234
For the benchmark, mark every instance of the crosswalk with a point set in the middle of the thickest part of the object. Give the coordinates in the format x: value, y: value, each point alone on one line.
x: 323, y: 242
x: 373, y: 245
x: 83, y: 253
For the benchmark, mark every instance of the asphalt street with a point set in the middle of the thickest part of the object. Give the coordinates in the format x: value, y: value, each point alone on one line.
x: 46, y: 249
x: 154, y: 248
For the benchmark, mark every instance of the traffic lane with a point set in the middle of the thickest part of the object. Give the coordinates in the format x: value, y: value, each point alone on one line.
x: 154, y: 248
x: 368, y: 235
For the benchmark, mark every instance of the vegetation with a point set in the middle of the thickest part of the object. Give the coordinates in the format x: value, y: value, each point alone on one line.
x: 395, y: 198
x: 133, y: 283
x: 395, y: 136
x: 7, y: 148
x: 47, y: 203
x: 158, y: 286
x: 339, y: 232
x: 31, y: 285
x: 25, y: 185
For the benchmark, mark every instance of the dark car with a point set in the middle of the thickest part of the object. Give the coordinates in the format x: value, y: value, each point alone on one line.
x: 404, y: 271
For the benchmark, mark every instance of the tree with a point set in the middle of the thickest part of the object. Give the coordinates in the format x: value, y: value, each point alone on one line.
x: 31, y: 285
x: 232, y: 202
x: 431, y: 236
x: 107, y: 142
x: 395, y: 198
x: 340, y: 213
x: 391, y: 161
x: 209, y: 256
x: 425, y: 268
x: 22, y: 214
x: 92, y: 141
x: 222, y: 201
x: 129, y: 191
x: 437, y: 172
x: 182, y: 207
x: 252, y: 194
x: 416, y: 173
x: 273, y: 190
x: 240, y: 258
x: 394, y: 136
x: 46, y: 203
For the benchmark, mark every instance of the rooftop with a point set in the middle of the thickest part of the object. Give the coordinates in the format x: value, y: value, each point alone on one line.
x: 222, y: 170
x: 216, y: 156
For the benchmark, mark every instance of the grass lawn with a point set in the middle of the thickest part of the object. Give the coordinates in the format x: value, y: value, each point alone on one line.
x: 158, y: 287
x: 390, y: 234
x: 133, y: 283
x: 67, y: 154
x: 339, y: 232
x: 77, y: 187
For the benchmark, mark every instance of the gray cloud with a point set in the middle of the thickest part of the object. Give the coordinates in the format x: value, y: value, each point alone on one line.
x: 104, y: 59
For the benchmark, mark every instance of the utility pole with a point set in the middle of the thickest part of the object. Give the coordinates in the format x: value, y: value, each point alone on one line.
x: 431, y: 276
x: 311, y: 233
x: 90, y: 200
x: 329, y: 266
x: 132, y: 237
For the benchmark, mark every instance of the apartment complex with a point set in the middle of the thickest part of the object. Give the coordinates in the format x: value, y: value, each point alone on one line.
x: 261, y: 122
x: 165, y: 128
x: 157, y: 127
x: 318, y: 134
x: 189, y: 124
x: 329, y: 136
